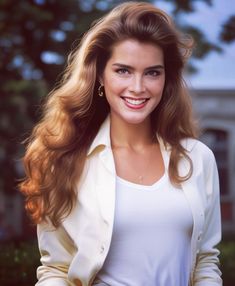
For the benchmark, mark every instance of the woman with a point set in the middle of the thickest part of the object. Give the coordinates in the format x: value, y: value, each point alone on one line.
x: 122, y: 192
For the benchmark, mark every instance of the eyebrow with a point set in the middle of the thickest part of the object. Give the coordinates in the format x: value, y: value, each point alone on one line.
x: 130, y: 67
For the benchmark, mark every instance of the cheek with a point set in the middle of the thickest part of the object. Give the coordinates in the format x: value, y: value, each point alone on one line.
x: 157, y: 88
x: 160, y: 85
x: 113, y: 85
x: 111, y: 91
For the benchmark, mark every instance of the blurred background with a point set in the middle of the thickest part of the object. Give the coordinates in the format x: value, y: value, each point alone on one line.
x: 36, y: 37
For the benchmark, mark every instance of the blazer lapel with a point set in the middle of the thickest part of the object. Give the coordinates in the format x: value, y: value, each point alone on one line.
x: 106, y: 184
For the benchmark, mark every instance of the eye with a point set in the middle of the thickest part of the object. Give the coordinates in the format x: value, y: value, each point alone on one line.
x: 122, y: 71
x: 153, y: 73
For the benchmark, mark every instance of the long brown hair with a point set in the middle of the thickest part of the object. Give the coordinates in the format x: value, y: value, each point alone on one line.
x: 73, y: 113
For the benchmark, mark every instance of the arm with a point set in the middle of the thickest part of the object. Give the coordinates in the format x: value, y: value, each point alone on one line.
x: 207, y: 272
x: 57, y: 251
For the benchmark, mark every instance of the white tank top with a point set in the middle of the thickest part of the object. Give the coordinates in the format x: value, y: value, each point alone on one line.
x: 151, y: 237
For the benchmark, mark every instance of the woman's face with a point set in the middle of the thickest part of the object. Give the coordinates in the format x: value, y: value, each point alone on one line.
x: 134, y: 79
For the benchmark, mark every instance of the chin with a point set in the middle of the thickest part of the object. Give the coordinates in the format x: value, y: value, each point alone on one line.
x: 135, y: 119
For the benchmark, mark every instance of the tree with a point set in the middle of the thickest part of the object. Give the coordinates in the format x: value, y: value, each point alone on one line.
x: 30, y: 30
x: 228, y: 32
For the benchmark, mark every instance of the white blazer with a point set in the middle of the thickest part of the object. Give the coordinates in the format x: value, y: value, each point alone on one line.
x: 74, y: 253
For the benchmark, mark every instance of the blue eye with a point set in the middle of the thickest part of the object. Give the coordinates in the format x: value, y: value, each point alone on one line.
x: 153, y: 72
x: 122, y: 71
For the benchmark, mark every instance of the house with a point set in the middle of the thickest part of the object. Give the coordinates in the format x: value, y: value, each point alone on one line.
x: 216, y: 112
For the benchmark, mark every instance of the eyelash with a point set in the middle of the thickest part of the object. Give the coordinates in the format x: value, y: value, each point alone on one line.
x: 153, y: 73
x: 122, y: 71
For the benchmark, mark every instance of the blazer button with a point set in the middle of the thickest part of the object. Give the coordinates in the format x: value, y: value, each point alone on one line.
x: 102, y: 249
x: 199, y: 236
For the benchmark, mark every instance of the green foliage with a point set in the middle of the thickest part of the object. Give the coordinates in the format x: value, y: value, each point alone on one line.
x: 29, y: 30
x: 227, y: 259
x: 19, y: 111
x: 228, y: 33
x: 18, y: 264
x: 186, y: 5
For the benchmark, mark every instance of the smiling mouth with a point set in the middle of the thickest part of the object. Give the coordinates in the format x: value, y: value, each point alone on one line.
x: 135, y: 102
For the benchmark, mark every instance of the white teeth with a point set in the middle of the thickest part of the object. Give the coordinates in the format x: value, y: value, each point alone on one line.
x: 135, y: 101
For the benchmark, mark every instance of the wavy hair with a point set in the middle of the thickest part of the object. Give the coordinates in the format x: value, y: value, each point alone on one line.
x: 73, y: 113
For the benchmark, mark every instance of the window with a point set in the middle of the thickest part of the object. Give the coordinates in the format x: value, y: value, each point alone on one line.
x: 217, y: 140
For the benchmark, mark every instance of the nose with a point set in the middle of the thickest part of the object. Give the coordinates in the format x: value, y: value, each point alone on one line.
x: 137, y: 85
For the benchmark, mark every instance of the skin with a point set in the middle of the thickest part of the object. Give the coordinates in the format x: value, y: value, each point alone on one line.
x: 134, y: 71
x: 134, y: 79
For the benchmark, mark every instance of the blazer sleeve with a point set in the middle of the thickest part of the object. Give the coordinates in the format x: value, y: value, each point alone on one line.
x: 207, y: 271
x: 57, y: 250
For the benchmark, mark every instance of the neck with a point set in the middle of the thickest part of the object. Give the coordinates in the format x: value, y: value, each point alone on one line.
x: 127, y: 135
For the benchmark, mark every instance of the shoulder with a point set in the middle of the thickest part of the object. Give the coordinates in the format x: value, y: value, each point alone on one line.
x: 197, y: 149
x: 202, y: 160
x: 195, y: 145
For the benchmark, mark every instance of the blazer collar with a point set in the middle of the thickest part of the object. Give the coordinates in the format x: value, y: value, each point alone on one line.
x: 102, y: 138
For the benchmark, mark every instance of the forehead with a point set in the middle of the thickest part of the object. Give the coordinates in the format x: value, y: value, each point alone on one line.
x: 131, y: 50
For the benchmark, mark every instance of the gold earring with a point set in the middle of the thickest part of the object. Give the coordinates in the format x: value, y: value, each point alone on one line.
x: 100, y: 91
